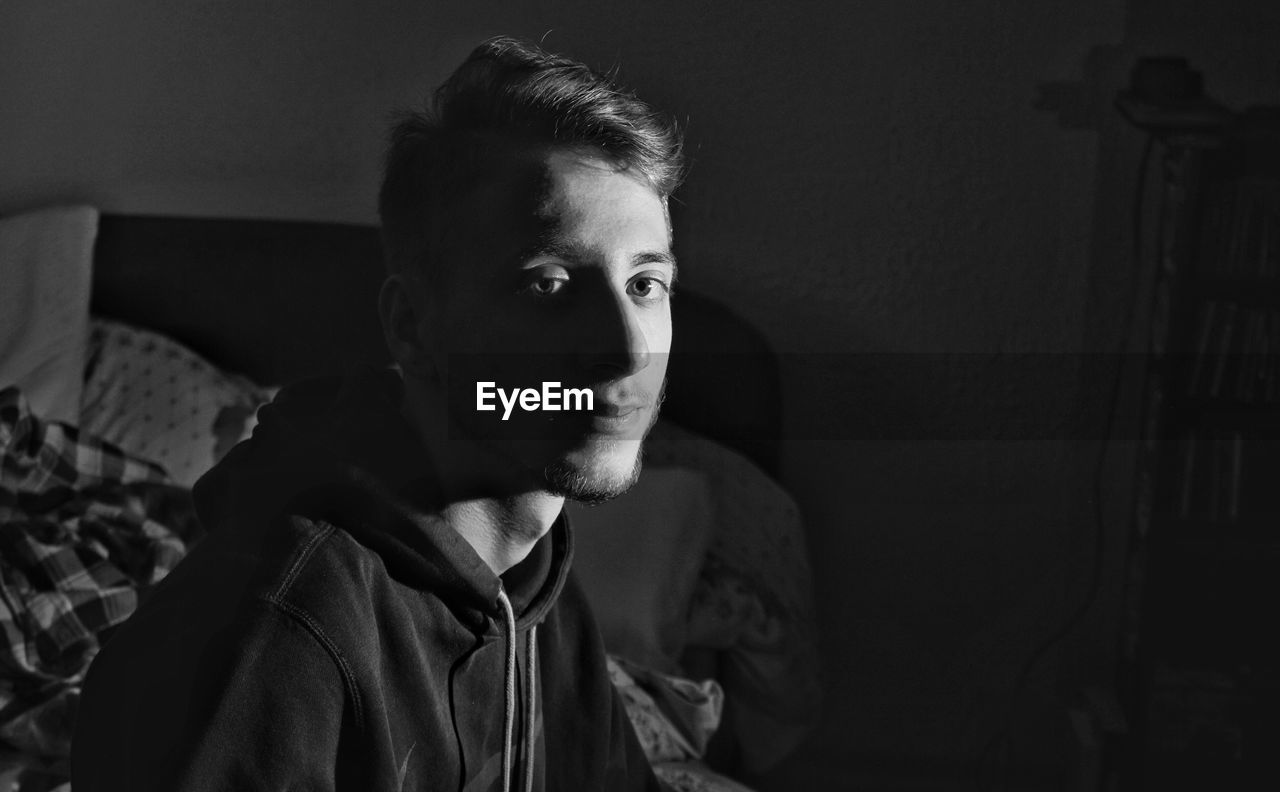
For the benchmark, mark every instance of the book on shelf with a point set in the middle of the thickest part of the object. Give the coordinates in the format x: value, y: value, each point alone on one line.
x: 1235, y: 475
x: 1206, y: 324
x: 1226, y: 476
x: 1187, y: 457
x: 1223, y: 349
x: 1234, y: 354
x: 1241, y: 230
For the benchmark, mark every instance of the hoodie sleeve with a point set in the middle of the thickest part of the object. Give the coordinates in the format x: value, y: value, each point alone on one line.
x: 259, y: 707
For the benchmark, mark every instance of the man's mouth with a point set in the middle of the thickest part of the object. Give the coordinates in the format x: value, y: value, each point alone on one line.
x: 619, y: 418
x: 616, y: 409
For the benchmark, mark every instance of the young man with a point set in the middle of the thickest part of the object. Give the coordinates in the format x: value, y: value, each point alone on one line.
x: 384, y: 601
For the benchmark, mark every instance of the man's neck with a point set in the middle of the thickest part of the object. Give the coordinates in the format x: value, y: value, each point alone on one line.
x: 504, y: 530
x: 501, y: 521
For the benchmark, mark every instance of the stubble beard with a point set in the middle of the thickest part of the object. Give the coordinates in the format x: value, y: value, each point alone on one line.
x: 569, y: 480
x: 572, y: 481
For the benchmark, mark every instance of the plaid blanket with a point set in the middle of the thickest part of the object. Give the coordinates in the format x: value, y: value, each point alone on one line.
x: 78, y: 547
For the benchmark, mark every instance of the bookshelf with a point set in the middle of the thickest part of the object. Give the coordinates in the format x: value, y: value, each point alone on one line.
x: 1200, y: 676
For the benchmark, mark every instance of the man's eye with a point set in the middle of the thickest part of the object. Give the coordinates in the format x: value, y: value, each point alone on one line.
x: 545, y: 285
x: 649, y: 288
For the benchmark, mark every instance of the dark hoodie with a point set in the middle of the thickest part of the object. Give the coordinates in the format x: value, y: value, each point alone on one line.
x: 332, y: 632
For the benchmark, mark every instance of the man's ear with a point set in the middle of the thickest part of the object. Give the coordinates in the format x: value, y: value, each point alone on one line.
x: 401, y: 308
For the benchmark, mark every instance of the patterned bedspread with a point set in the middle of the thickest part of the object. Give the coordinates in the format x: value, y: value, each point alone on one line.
x: 80, y: 543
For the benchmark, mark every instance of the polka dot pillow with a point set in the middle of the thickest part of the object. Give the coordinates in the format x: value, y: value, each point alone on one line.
x: 158, y: 400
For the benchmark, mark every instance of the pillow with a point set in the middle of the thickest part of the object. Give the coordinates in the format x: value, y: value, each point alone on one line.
x: 753, y: 602
x: 158, y: 400
x: 638, y: 556
x: 674, y: 717
x: 46, y: 266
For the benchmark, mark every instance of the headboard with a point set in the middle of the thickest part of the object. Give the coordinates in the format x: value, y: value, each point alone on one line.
x: 283, y: 300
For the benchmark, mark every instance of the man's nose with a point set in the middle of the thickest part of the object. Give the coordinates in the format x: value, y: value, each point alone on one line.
x: 615, y: 344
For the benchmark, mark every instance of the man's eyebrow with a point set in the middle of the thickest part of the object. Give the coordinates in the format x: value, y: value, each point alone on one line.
x: 656, y: 257
x: 574, y: 254
x: 653, y: 257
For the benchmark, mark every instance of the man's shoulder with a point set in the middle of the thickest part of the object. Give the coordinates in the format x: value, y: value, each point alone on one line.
x: 302, y: 596
x: 304, y: 570
x: 310, y: 568
x: 334, y: 582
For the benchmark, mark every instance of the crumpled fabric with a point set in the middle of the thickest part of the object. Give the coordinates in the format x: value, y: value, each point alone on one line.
x: 673, y: 717
x: 79, y: 547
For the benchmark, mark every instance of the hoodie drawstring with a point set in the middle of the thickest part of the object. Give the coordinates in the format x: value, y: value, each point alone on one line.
x: 531, y: 689
x: 509, y: 721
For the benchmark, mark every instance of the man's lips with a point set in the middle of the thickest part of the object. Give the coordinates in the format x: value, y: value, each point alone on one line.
x: 619, y: 419
x: 616, y: 410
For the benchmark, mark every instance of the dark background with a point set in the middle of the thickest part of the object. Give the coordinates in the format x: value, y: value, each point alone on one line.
x: 925, y: 205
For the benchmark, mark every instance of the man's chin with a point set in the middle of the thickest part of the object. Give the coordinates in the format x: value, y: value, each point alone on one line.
x: 591, y: 481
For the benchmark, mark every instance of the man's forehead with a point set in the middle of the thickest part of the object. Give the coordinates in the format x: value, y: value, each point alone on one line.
x: 513, y: 179
x: 502, y: 200
x: 563, y: 168
x: 523, y: 192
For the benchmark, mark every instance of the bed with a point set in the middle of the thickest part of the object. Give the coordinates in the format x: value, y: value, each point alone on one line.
x: 141, y: 348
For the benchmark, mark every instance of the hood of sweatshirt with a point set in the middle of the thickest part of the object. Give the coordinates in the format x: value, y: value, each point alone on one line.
x: 339, y: 450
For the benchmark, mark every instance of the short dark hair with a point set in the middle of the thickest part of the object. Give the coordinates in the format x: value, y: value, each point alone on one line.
x: 506, y: 95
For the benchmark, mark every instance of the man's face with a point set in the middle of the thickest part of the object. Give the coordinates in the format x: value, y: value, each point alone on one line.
x: 561, y: 272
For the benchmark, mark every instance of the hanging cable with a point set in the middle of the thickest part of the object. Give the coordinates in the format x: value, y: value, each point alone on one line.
x: 1000, y: 744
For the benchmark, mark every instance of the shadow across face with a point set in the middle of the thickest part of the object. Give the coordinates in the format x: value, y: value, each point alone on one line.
x: 555, y: 318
